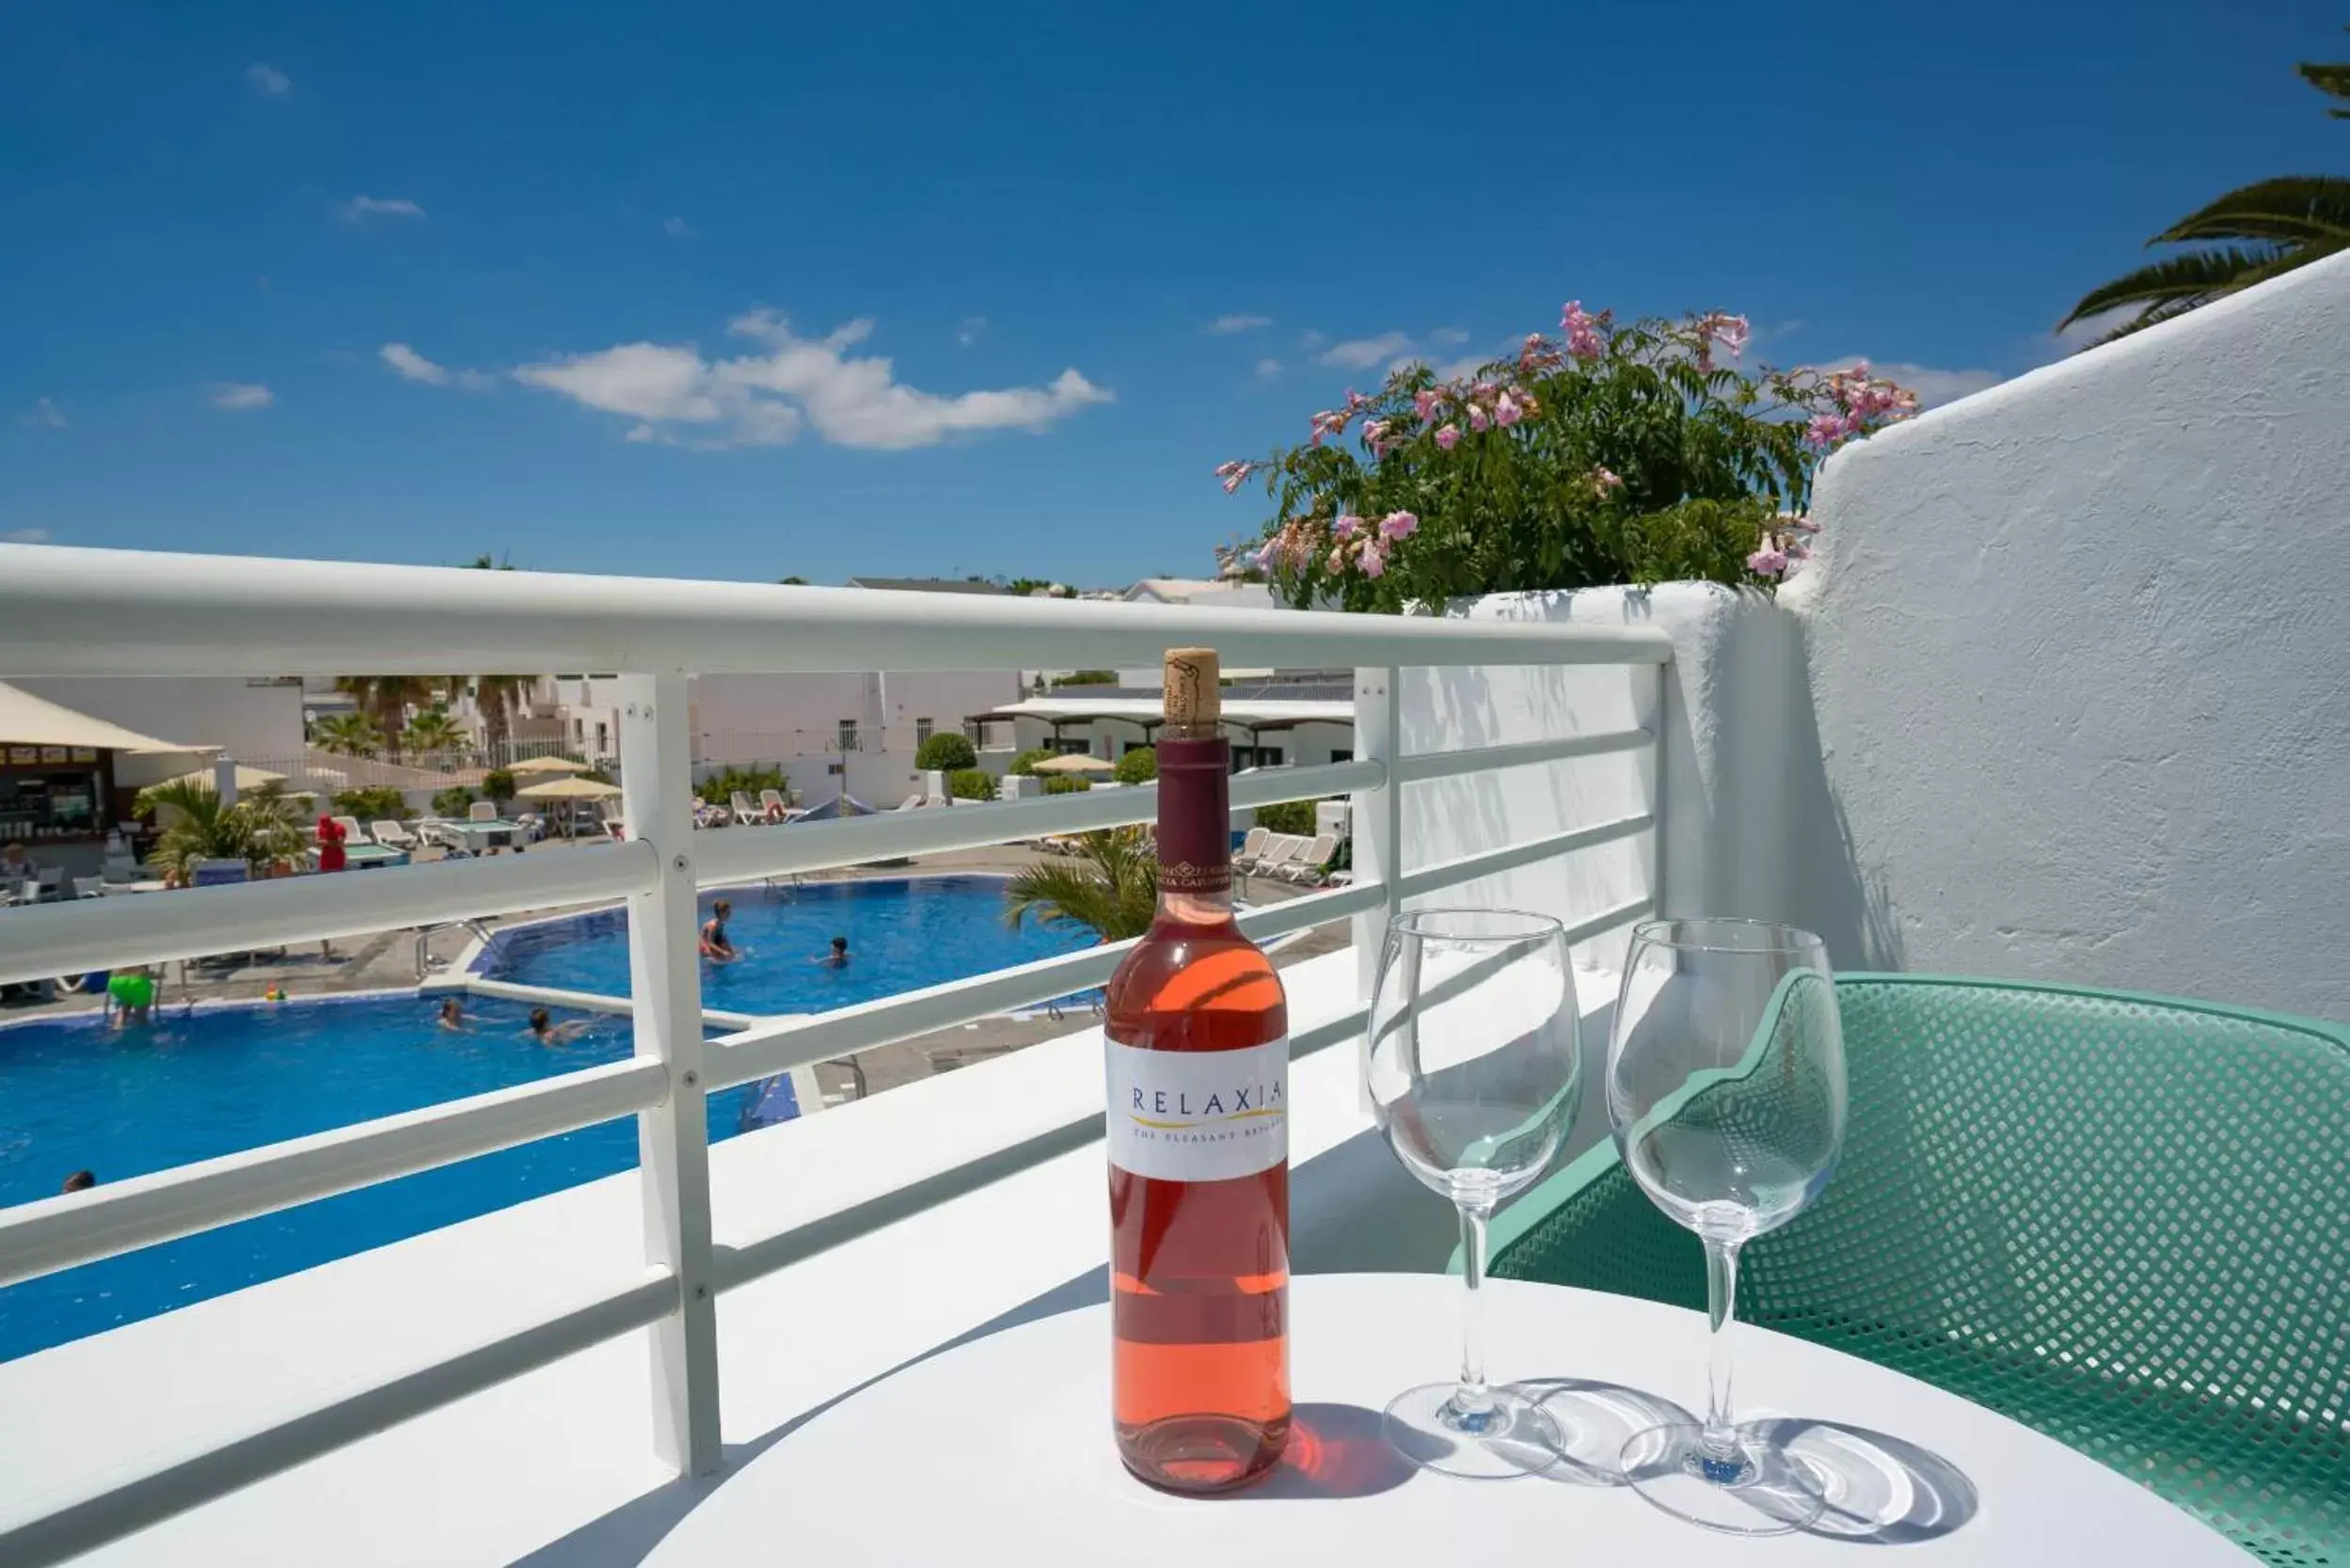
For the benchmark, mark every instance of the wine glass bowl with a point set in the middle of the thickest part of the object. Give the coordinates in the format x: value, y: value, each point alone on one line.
x: 1474, y: 1069
x: 1726, y: 1091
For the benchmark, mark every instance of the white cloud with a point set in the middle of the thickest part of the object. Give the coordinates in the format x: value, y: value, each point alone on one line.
x: 1224, y: 327
x: 25, y: 536
x: 1268, y: 369
x: 1357, y: 353
x: 267, y: 80
x: 972, y: 330
x: 369, y: 206
x: 1932, y: 387
x: 1449, y: 335
x: 762, y: 399
x: 413, y: 366
x: 238, y: 394
x: 45, y: 414
x: 678, y: 229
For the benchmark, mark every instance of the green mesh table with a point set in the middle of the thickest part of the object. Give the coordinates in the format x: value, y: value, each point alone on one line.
x: 2121, y: 1220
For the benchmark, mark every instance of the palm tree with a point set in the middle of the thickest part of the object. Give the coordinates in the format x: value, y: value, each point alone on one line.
x: 2249, y: 236
x: 259, y: 829
x: 497, y: 698
x: 434, y: 731
x: 353, y: 734
x: 387, y: 699
x: 1112, y: 891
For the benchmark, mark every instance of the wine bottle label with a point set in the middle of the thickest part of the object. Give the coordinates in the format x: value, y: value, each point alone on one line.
x: 1198, y: 1116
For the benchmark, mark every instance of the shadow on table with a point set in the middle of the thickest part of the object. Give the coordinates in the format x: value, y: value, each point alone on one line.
x: 1883, y: 1490
x: 1335, y: 1451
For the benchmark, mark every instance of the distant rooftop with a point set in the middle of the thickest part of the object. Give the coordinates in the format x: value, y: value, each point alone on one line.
x: 928, y: 585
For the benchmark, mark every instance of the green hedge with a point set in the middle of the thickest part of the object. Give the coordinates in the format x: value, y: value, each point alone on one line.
x: 946, y: 753
x: 1137, y: 767
x: 375, y: 805
x: 719, y: 788
x: 971, y: 784
x: 453, y: 801
x: 1290, y: 816
x: 1063, y: 783
x: 497, y: 785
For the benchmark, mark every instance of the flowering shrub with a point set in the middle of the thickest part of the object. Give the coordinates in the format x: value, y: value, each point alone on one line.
x: 1611, y: 454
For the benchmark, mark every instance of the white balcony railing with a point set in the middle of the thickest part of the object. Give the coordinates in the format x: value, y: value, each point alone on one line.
x: 84, y: 613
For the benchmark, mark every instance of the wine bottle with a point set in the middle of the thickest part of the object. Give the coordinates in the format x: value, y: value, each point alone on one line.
x: 1197, y: 1041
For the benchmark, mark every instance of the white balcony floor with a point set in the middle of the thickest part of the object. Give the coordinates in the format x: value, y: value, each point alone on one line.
x: 558, y: 1466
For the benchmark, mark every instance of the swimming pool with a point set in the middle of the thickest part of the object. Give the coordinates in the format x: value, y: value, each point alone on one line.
x: 904, y: 932
x: 194, y: 1086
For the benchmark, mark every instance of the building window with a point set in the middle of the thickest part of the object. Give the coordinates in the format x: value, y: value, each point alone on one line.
x: 1338, y: 754
x: 847, y: 735
x: 921, y: 732
x: 601, y: 744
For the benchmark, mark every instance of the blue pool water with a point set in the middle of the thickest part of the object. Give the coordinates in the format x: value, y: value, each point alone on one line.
x: 903, y: 933
x: 188, y: 1086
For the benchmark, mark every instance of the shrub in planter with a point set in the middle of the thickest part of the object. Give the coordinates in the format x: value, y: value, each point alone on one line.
x: 1137, y: 767
x: 971, y: 784
x: 1062, y: 784
x: 452, y: 801
x: 1289, y: 817
x: 376, y: 803
x: 497, y: 785
x: 1026, y: 761
x: 945, y: 753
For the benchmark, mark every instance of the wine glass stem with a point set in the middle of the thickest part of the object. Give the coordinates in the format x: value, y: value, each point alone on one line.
x: 1472, y: 1398
x: 1722, y: 1311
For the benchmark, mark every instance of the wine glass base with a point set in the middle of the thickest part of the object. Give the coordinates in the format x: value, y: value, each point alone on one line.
x: 1516, y: 1437
x: 1758, y: 1489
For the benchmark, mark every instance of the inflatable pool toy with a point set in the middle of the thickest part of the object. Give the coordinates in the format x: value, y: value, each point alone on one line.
x: 274, y: 993
x: 132, y: 991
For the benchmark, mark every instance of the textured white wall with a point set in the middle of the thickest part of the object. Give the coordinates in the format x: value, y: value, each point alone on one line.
x: 2080, y: 657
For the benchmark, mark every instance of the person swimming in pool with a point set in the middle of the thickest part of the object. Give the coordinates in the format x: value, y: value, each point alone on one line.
x: 715, y: 945
x: 547, y: 1032
x: 453, y: 1016
x: 838, y: 956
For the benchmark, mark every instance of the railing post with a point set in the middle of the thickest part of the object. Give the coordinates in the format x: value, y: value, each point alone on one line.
x: 673, y: 1138
x: 1376, y: 816
x: 1660, y: 724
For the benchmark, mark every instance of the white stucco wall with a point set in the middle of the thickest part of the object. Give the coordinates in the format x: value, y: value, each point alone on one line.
x: 2080, y: 659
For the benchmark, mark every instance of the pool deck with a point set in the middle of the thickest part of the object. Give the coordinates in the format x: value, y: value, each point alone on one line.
x: 386, y: 961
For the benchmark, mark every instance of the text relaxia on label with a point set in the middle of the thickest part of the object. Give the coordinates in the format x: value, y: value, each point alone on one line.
x: 1232, y: 1101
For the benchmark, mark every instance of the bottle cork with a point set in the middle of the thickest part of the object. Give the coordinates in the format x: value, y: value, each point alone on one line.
x: 1194, y: 699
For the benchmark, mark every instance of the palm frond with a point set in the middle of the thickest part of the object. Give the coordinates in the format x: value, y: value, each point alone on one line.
x: 2291, y: 209
x: 1113, y: 891
x: 2331, y: 80
x: 2198, y: 277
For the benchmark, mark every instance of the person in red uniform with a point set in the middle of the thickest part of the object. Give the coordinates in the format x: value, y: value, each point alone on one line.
x: 331, y: 856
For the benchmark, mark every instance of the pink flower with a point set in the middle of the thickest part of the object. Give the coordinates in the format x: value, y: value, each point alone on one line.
x: 1234, y: 474
x: 1374, y: 564
x: 1768, y: 562
x: 1825, y: 430
x: 1337, y: 562
x: 1397, y: 524
x: 1345, y: 527
x: 1505, y: 411
x: 1604, y: 483
x: 1424, y: 403
x: 1448, y: 436
x: 1477, y: 419
x: 1582, y: 331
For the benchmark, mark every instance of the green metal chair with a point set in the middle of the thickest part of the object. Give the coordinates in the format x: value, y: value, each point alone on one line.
x: 2121, y: 1220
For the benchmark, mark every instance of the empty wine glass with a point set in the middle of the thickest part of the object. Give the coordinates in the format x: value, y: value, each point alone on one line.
x: 1474, y: 1073
x: 1726, y: 1088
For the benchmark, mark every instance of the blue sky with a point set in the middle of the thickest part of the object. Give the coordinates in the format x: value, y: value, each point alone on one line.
x: 222, y: 219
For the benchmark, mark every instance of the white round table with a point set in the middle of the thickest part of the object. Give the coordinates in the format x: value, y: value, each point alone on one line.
x: 999, y: 1452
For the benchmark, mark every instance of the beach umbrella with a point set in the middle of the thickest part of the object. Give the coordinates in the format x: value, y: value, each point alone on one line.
x: 1076, y: 762
x: 248, y: 778
x: 549, y: 765
x: 568, y: 789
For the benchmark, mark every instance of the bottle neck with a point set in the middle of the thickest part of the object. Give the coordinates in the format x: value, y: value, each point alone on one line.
x: 1194, y: 835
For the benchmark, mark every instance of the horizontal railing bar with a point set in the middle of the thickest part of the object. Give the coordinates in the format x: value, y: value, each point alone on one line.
x: 165, y: 613
x: 779, y: 1046
x: 1511, y: 856
x: 1480, y: 759
x: 78, y: 935
x: 1608, y: 920
x: 585, y: 1001
x: 64, y: 1530
x: 55, y: 1234
x: 740, y: 854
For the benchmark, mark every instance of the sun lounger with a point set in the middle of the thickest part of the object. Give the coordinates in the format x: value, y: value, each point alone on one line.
x: 1271, y: 851
x: 775, y: 804
x: 1307, y: 867
x: 747, y: 813
x: 352, y: 833
x: 1251, y: 847
x: 392, y: 835
x: 481, y: 811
